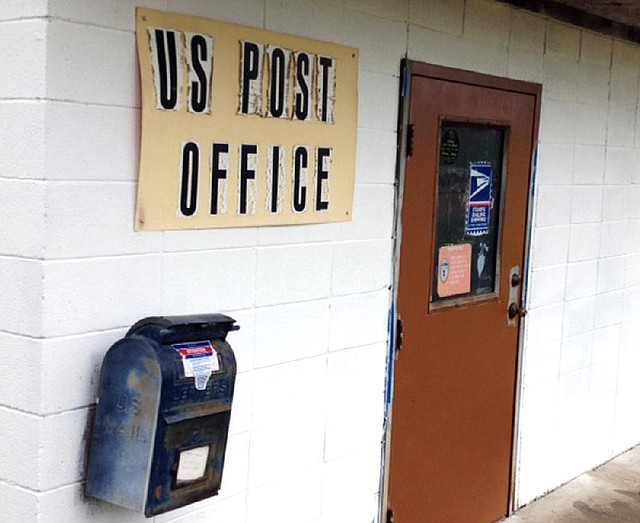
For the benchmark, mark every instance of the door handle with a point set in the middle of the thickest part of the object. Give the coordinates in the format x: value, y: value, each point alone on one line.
x: 516, y: 311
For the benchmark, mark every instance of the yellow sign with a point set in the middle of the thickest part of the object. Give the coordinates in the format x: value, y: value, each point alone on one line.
x: 242, y: 127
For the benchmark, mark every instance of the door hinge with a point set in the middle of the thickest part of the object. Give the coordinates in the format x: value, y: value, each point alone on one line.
x: 399, y: 333
x: 410, y: 133
x: 389, y: 516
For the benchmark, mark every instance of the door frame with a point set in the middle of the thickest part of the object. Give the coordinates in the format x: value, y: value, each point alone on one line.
x: 410, y: 68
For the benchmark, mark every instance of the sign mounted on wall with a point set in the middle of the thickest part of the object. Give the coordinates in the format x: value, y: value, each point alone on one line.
x: 242, y: 127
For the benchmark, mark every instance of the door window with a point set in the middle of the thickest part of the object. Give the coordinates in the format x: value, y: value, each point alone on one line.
x: 470, y: 179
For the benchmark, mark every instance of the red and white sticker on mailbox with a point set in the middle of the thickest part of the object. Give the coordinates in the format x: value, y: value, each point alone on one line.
x: 199, y: 360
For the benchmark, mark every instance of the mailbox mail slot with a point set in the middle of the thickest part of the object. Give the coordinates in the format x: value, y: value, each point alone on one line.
x: 162, y: 419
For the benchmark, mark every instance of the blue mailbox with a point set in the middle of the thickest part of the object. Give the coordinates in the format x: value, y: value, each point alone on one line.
x: 162, y: 419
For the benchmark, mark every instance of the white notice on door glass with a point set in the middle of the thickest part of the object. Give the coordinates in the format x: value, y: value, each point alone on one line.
x: 192, y: 464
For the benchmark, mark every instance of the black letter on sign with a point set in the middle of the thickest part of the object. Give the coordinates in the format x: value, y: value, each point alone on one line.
x: 189, y: 182
x: 300, y: 162
x: 302, y: 97
x: 199, y: 89
x: 250, y: 72
x: 321, y: 175
x: 168, y: 78
x: 217, y: 173
x: 275, y: 175
x: 277, y: 88
x: 245, y: 173
x: 325, y: 64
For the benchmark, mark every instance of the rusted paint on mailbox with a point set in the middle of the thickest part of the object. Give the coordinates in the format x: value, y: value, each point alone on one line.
x: 162, y: 419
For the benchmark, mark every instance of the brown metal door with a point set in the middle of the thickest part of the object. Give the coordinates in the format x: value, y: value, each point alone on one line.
x: 464, y: 220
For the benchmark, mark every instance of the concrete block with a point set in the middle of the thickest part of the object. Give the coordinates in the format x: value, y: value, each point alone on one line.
x: 356, y: 381
x: 18, y: 9
x: 579, y: 316
x: 241, y: 411
x: 63, y: 448
x: 563, y: 39
x: 209, y: 239
x: 558, y: 122
x: 547, y: 286
x: 555, y: 164
x: 382, y: 43
x: 393, y: 9
x: 595, y: 49
x: 581, y: 279
x: 609, y: 309
x: 606, y: 344
x: 584, y: 243
x: 373, y: 214
x: 550, y: 246
x: 439, y: 15
x: 359, y: 319
x: 306, y: 19
x: 591, y: 125
x: 296, y: 393
x: 22, y: 447
x: 116, y: 14
x: 68, y: 505
x: 100, y: 294
x: 440, y: 48
x: 294, y: 499
x: 22, y: 147
x: 611, y: 274
x: 208, y: 281
x: 215, y: 509
x: 487, y: 22
x: 23, y: 59
x: 245, y: 12
x: 21, y: 284
x: 243, y: 340
x: 589, y: 167
x: 17, y: 504
x: 75, y: 360
x: 544, y: 325
x: 349, y: 486
x: 376, y: 156
x: 23, y: 207
x: 280, y: 451
x: 378, y: 101
x: 593, y: 84
x: 92, y: 142
x: 290, y: 274
x: 107, y: 209
x: 291, y: 234
x: 586, y: 204
x: 576, y: 353
x: 553, y: 205
x: 527, y: 33
x: 525, y: 66
x: 542, y: 363
x: 631, y: 267
x: 20, y: 373
x: 83, y: 59
x: 621, y: 128
x: 613, y: 240
x: 291, y: 332
x: 361, y: 266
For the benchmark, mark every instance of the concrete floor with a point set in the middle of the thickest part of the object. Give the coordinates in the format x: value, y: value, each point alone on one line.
x: 610, y: 493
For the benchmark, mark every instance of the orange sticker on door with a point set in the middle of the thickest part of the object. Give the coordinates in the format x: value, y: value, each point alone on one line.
x: 454, y: 270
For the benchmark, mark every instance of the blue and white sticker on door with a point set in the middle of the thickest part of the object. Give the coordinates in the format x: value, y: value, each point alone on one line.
x: 480, y: 199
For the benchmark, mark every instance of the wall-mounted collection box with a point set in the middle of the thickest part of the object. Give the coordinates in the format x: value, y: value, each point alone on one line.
x: 162, y: 419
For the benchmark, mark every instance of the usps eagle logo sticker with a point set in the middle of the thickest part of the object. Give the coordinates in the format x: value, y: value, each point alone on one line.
x: 480, y: 199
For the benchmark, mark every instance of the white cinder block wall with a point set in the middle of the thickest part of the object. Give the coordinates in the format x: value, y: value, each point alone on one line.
x: 312, y: 300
